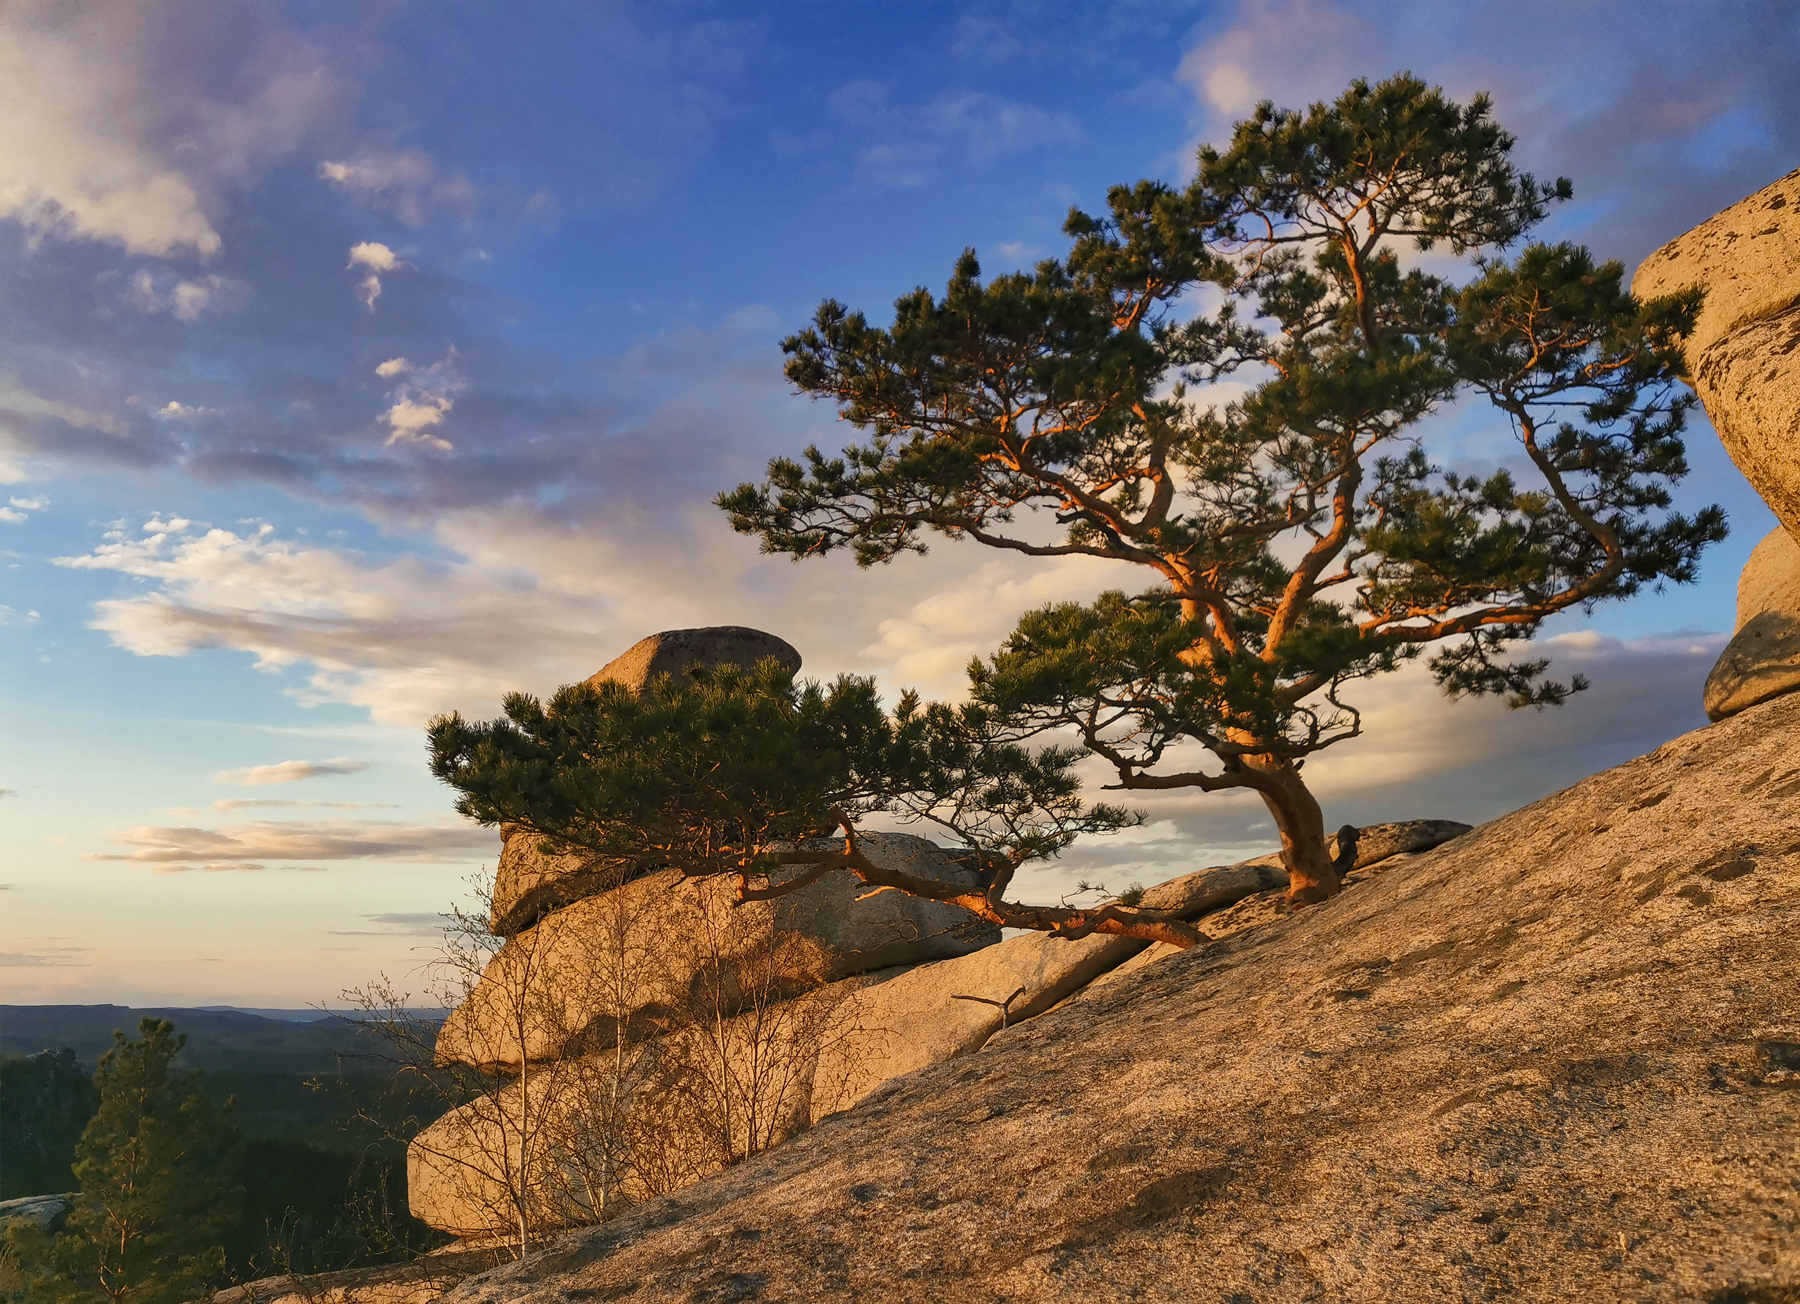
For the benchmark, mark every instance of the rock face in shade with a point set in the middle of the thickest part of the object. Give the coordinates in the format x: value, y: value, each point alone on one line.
x: 676, y: 650
x: 543, y: 988
x: 1555, y: 1059
x: 1763, y: 658
x: 528, y: 884
x: 1743, y: 355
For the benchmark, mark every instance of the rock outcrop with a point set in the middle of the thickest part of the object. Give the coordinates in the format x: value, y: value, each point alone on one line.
x: 880, y: 1026
x: 560, y: 982
x: 1742, y: 354
x: 676, y: 651
x: 41, y: 1211
x: 527, y: 883
x: 1744, y: 360
x: 1763, y: 658
x: 416, y: 1282
x: 1556, y: 1058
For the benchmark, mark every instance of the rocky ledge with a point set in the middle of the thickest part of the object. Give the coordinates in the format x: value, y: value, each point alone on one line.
x: 1555, y: 1059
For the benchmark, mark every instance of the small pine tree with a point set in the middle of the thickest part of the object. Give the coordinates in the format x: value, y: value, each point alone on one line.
x: 158, y: 1167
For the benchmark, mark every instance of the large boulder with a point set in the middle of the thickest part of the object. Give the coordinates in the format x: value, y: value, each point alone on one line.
x: 529, y: 884
x: 629, y: 955
x: 1763, y: 658
x: 1555, y: 1059
x: 1742, y: 355
x: 676, y: 651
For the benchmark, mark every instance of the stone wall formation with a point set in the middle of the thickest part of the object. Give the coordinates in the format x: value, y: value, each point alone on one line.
x: 903, y: 984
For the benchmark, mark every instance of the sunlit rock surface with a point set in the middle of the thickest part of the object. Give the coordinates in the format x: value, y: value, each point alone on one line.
x: 1556, y: 1058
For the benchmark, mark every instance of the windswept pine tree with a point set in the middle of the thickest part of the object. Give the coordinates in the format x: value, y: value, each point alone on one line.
x: 1276, y: 548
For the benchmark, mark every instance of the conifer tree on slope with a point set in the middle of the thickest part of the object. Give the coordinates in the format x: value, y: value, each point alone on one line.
x: 1299, y: 538
x: 158, y: 1167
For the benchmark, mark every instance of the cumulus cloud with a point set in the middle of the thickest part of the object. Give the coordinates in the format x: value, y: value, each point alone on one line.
x: 375, y: 256
x: 99, y: 142
x: 20, y: 508
x: 289, y: 771
x: 378, y: 258
x: 932, y: 640
x: 422, y: 400
x: 403, y: 637
x: 251, y: 846
x: 405, y: 183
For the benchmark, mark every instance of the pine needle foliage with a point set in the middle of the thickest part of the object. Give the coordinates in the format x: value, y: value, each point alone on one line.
x: 752, y: 774
x: 1293, y: 534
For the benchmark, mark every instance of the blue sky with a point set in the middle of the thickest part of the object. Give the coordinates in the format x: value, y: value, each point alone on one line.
x: 361, y: 362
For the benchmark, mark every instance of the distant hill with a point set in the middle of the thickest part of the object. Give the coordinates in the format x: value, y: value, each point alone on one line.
x: 267, y: 1062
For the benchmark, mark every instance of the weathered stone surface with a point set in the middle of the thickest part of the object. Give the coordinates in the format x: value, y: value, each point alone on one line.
x: 637, y: 1126
x: 1555, y: 1059
x: 418, y: 1282
x: 1763, y: 658
x: 676, y: 650
x: 528, y: 884
x: 1742, y: 354
x: 40, y: 1211
x: 1376, y: 842
x: 1761, y: 661
x: 561, y: 980
x: 937, y: 1012
x: 1770, y: 580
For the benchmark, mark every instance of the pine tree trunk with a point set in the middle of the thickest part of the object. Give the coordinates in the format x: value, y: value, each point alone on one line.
x: 1311, y: 875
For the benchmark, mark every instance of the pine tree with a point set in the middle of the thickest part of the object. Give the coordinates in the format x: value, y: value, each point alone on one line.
x: 1297, y: 538
x: 158, y: 1169
x: 729, y: 771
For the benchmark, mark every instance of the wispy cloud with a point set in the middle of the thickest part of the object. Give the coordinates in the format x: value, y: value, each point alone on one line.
x: 242, y: 803
x: 907, y: 142
x: 405, y: 183
x: 421, y: 400
x: 289, y: 771
x: 59, y: 957
x: 251, y: 846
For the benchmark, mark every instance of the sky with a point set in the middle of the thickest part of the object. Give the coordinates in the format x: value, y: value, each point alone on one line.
x: 362, y: 362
